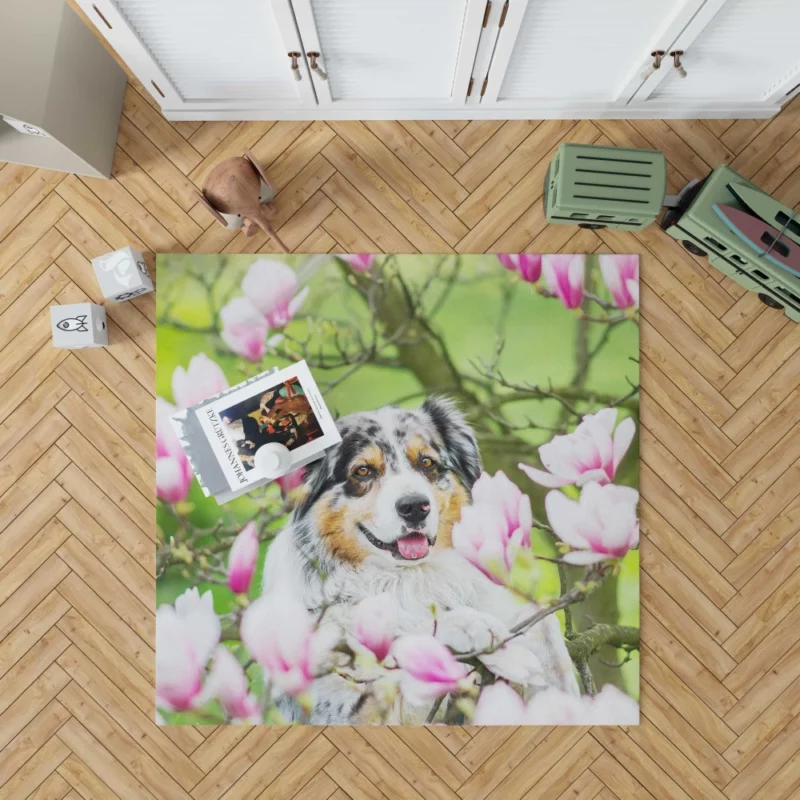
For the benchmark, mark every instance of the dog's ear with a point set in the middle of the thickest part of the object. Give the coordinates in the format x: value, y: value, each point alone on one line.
x: 460, y: 445
x: 317, y: 479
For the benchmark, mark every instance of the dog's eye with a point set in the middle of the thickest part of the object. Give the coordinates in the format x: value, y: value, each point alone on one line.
x: 427, y: 462
x: 362, y: 472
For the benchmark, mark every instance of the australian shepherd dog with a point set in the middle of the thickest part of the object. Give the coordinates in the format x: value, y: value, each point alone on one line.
x: 376, y: 515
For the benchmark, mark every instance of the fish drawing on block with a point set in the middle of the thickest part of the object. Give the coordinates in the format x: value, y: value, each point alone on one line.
x: 77, y: 324
x: 767, y: 241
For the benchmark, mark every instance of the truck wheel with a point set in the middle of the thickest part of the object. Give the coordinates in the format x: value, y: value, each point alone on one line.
x: 769, y: 301
x: 693, y: 248
x: 592, y: 226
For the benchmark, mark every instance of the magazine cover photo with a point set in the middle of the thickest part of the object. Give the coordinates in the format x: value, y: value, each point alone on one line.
x: 281, y: 414
x: 467, y: 553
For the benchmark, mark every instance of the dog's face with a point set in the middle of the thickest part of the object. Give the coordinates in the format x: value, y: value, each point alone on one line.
x: 393, y: 488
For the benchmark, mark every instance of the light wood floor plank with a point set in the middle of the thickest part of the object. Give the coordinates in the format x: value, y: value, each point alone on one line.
x: 31, y: 266
x: 12, y: 176
x: 681, y: 552
x: 34, y: 736
x: 437, y: 143
x: 159, y: 131
x: 669, y: 722
x: 26, y: 235
x: 36, y: 699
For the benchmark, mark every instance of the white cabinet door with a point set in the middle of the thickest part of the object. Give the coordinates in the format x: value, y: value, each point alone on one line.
x: 565, y: 54
x: 735, y: 51
x: 208, y: 55
x: 391, y: 54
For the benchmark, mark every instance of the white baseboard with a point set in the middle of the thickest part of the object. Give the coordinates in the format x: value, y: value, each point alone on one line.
x: 650, y: 111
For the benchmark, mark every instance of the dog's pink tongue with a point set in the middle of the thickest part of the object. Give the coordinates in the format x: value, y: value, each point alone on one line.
x: 413, y: 546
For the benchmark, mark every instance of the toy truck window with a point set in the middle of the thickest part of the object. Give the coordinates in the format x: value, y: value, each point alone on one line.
x: 775, y: 244
x: 791, y: 225
x: 714, y: 243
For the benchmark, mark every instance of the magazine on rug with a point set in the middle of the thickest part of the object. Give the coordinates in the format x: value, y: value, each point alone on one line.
x: 457, y: 541
x: 280, y: 406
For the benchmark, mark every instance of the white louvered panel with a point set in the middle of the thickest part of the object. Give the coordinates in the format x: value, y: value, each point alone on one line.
x: 748, y: 48
x: 581, y: 49
x: 389, y: 49
x: 214, y: 49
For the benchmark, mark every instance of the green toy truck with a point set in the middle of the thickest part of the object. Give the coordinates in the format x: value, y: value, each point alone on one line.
x: 699, y: 228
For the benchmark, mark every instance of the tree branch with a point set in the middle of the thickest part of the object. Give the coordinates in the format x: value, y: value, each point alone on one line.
x: 519, y: 393
x: 583, y: 645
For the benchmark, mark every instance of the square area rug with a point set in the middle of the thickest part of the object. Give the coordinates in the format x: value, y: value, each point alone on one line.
x: 467, y: 554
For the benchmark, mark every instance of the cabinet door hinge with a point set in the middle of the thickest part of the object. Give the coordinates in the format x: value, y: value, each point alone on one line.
x: 503, y: 15
x: 486, y: 13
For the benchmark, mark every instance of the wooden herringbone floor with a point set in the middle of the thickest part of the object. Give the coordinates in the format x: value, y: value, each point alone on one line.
x: 720, y: 471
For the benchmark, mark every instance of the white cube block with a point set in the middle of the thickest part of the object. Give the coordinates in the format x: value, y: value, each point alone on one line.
x: 122, y: 274
x: 78, y: 325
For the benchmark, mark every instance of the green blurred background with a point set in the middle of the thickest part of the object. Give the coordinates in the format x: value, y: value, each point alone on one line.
x: 541, y: 347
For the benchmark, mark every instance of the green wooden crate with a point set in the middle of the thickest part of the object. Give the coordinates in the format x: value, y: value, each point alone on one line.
x: 605, y: 187
x: 698, y: 227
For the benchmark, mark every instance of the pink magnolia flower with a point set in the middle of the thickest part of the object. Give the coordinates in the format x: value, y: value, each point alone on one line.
x: 228, y: 683
x: 291, y: 481
x: 374, y: 623
x: 186, y: 635
x: 244, y: 329
x: 271, y: 286
x: 516, y: 663
x: 173, y: 473
x: 514, y: 506
x: 203, y: 379
x: 609, y: 707
x: 602, y: 524
x: 554, y: 707
x: 621, y: 275
x: 564, y: 277
x: 528, y: 265
x: 592, y: 452
x: 493, y: 529
x: 499, y: 704
x: 359, y: 262
x: 279, y: 633
x: 242, y: 559
x: 429, y: 663
x: 481, y: 537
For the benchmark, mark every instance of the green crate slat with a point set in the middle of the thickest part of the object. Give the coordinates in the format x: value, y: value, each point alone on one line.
x: 617, y: 187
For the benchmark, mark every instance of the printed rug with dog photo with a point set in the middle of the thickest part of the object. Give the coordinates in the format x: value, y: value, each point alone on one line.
x: 466, y: 554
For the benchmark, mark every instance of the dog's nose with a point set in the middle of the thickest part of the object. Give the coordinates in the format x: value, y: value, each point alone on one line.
x: 413, y: 508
